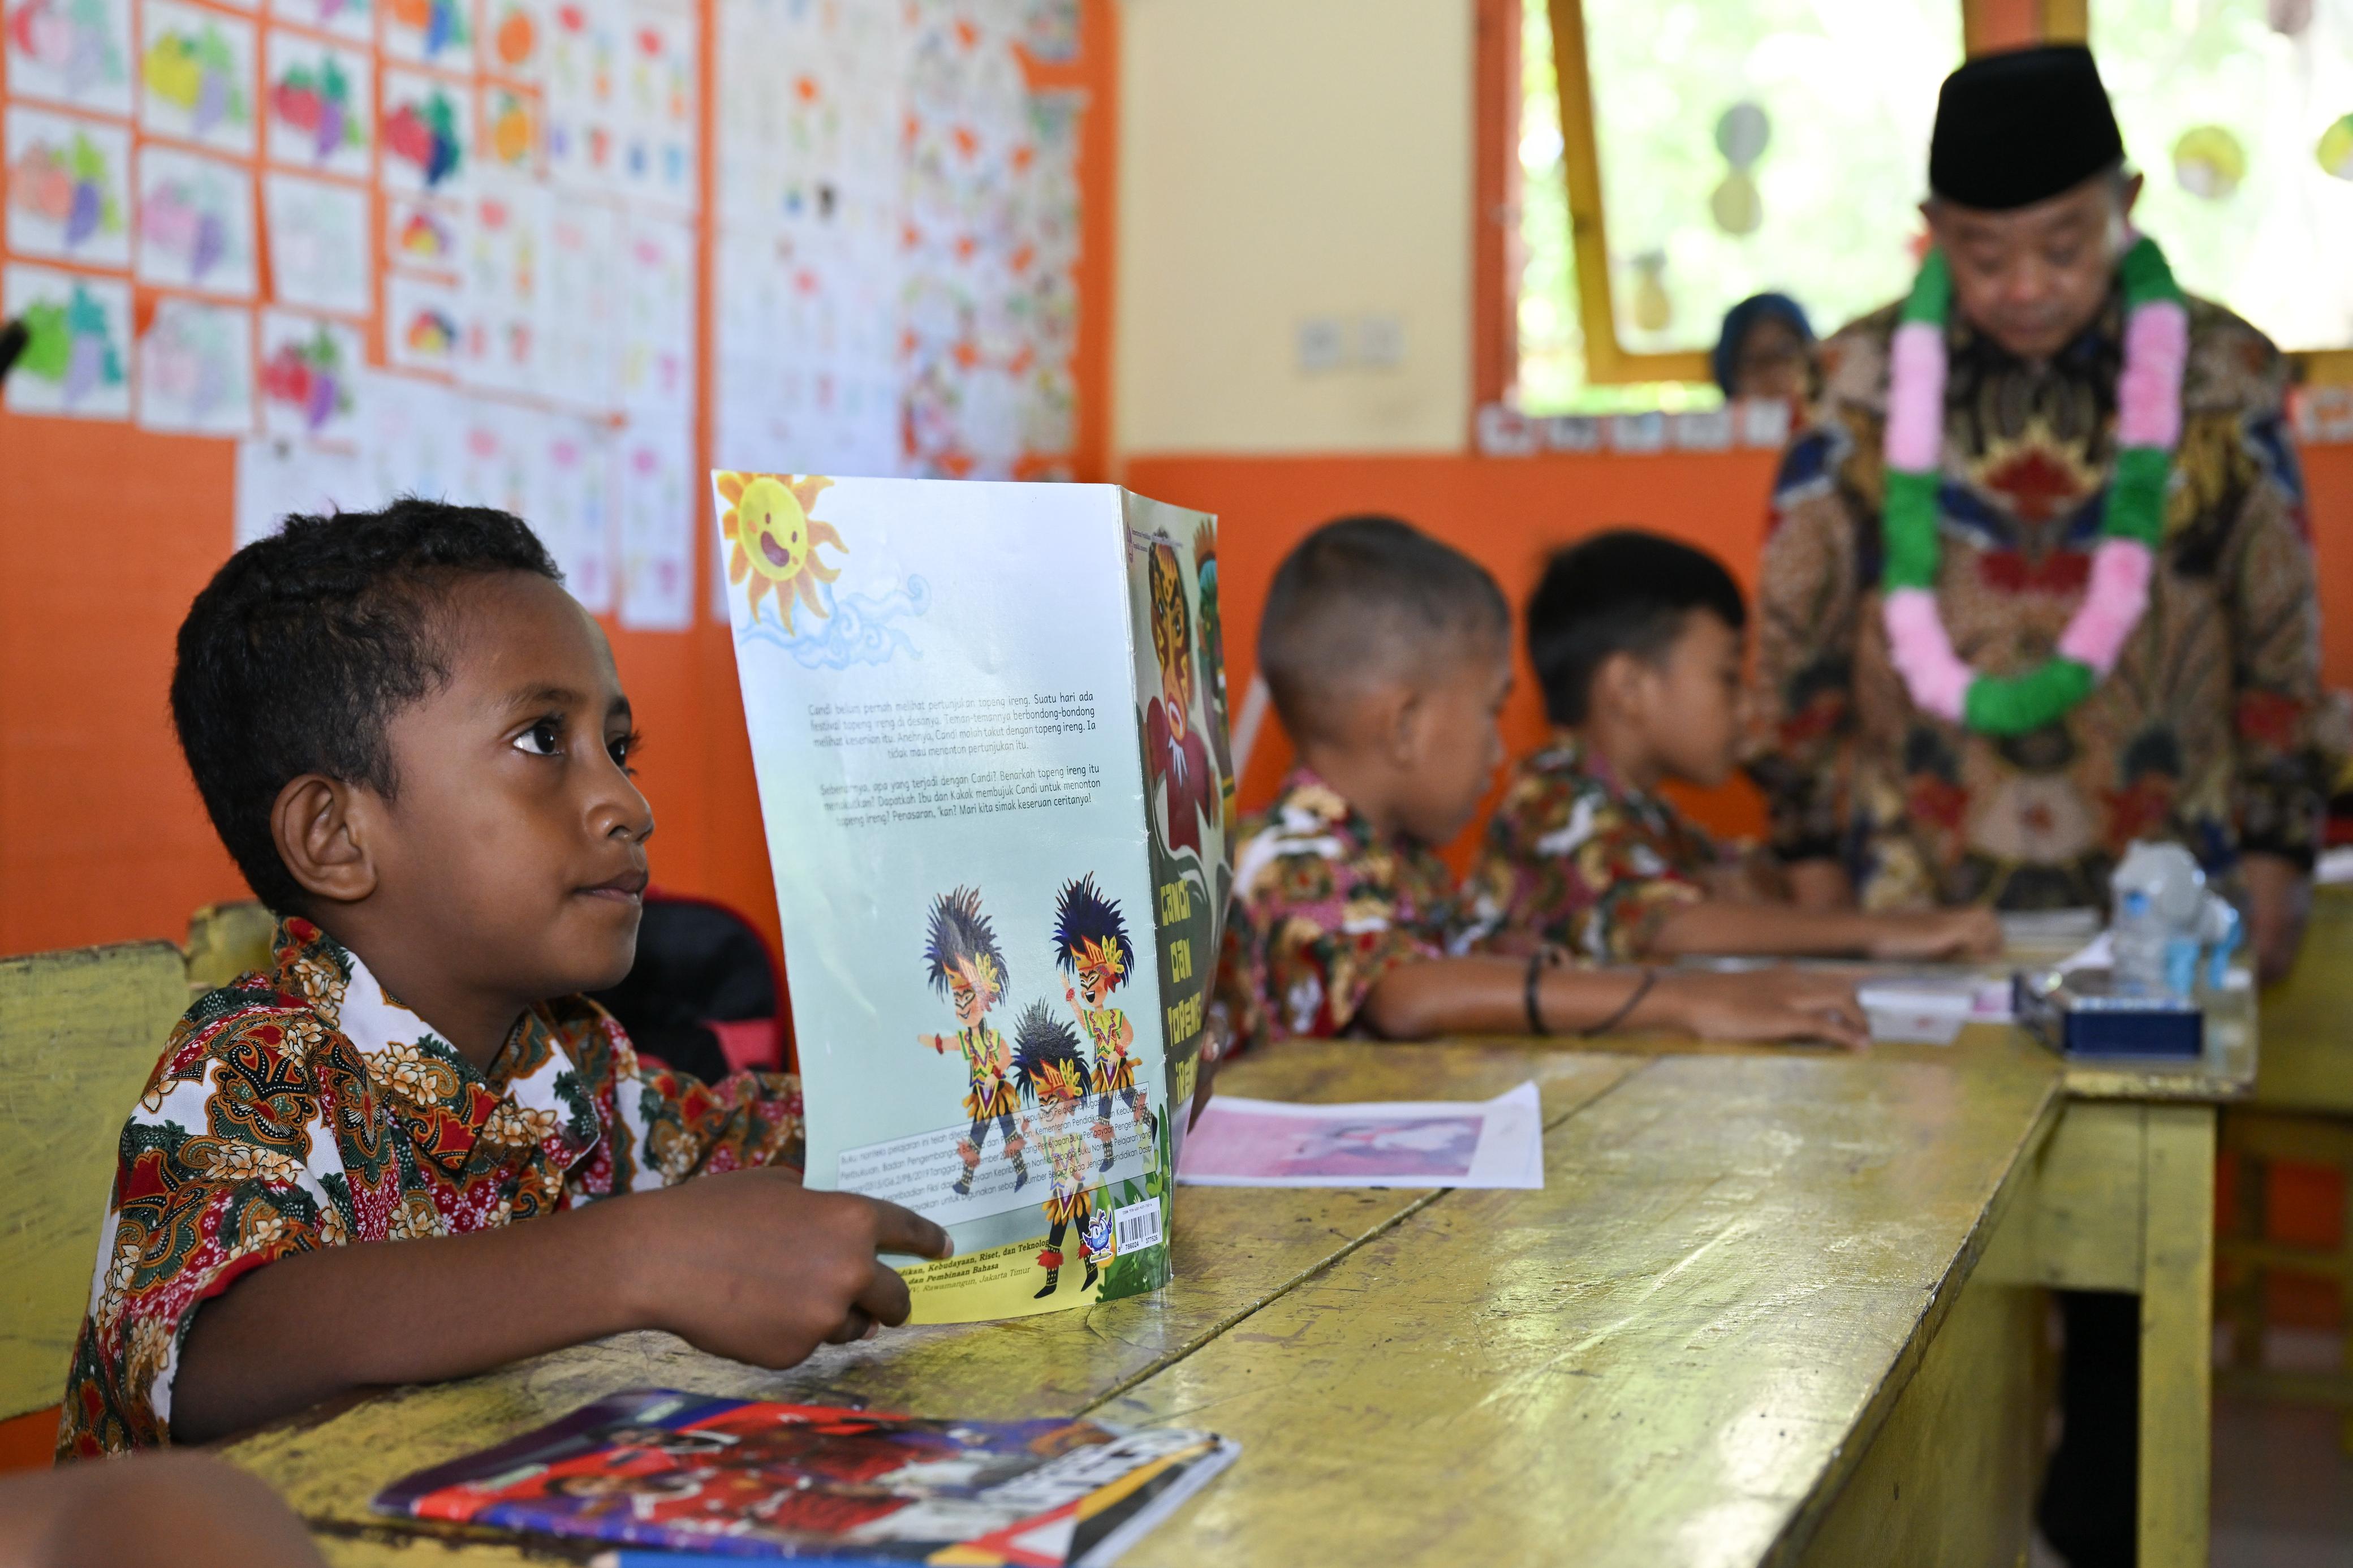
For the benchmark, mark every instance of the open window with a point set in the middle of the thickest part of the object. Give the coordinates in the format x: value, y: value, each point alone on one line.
x: 1676, y: 156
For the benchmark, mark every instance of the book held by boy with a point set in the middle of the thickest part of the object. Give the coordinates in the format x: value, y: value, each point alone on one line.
x: 989, y: 726
x: 752, y: 1479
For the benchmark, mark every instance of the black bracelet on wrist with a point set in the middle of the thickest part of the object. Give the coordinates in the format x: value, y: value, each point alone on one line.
x: 1625, y: 1008
x: 1545, y: 957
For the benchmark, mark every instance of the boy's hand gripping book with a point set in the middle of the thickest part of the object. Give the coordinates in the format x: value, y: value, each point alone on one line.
x: 989, y: 726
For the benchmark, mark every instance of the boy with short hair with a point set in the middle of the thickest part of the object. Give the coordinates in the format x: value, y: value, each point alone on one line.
x: 416, y: 746
x: 1388, y: 654
x: 1637, y: 641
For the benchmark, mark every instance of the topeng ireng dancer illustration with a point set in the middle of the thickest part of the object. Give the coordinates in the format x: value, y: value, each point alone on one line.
x: 967, y: 968
x: 1092, y: 946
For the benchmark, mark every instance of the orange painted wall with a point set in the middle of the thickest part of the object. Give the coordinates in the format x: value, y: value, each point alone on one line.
x: 1509, y: 512
x: 108, y: 530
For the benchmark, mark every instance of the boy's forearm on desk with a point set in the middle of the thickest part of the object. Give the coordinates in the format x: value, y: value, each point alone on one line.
x: 319, y: 1323
x: 1482, y: 995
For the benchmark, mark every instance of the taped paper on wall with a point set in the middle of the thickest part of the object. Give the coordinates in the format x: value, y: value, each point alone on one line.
x: 658, y: 493
x: 74, y: 52
x: 277, y: 477
x: 196, y: 223
x: 77, y: 358
x: 195, y: 75
x: 196, y: 369
x: 321, y: 105
x: 311, y: 378
x: 424, y: 324
x: 318, y: 245
x: 69, y: 188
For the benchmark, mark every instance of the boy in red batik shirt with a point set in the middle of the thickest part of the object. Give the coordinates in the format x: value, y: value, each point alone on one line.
x: 416, y: 746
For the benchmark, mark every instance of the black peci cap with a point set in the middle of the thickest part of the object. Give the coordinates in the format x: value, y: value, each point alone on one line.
x: 2018, y: 128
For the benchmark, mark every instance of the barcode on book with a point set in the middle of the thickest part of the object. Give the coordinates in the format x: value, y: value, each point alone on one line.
x: 1136, y: 1226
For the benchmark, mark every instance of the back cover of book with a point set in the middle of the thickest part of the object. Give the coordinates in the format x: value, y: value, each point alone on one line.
x: 998, y: 881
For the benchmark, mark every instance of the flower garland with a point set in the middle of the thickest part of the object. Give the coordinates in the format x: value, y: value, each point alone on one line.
x: 2149, y: 423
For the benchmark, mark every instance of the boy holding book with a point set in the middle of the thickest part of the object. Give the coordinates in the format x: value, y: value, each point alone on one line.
x: 1636, y: 639
x: 1388, y: 658
x: 416, y: 747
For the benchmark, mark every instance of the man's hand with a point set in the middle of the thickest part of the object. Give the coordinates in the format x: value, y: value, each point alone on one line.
x: 2279, y: 900
x: 1973, y: 932
x: 1760, y: 1005
x: 752, y: 1265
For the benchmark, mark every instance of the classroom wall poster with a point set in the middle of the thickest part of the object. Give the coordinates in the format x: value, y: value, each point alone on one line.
x: 890, y: 255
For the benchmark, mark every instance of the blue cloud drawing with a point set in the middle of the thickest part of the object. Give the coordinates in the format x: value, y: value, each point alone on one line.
x: 855, y: 630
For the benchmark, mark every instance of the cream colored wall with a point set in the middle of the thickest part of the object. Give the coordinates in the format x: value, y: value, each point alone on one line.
x: 1281, y: 161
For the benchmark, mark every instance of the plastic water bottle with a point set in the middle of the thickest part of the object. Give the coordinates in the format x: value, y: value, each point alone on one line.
x: 2160, y: 899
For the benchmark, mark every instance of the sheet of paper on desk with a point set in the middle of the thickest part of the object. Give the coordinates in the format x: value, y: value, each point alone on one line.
x: 1495, y: 1143
x: 1930, y: 1010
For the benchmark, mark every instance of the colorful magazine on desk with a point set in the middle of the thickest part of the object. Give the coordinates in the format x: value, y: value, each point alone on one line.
x: 759, y: 1481
x: 989, y: 722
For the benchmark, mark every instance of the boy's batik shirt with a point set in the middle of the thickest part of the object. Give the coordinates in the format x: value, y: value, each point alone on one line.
x: 306, y: 1108
x: 1323, y: 909
x: 1587, y: 861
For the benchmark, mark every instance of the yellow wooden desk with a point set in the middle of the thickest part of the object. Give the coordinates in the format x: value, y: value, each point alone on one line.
x: 1769, y: 1306
x: 2120, y: 1196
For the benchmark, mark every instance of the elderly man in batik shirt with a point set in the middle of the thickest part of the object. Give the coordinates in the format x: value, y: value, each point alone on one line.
x: 2211, y: 729
x: 2056, y: 441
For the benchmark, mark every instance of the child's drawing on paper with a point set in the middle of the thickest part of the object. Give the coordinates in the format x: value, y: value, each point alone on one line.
x: 422, y: 237
x: 1092, y: 947
x: 309, y: 377
x: 318, y: 243
x: 427, y: 129
x: 71, y: 51
x: 195, y: 75
x: 422, y: 327
x: 775, y: 539
x: 510, y: 129
x: 196, y: 369
x: 196, y: 223
x: 1174, y: 753
x: 1249, y: 1145
x: 76, y: 357
x: 967, y: 968
x: 67, y: 188
x: 1055, y: 1077
x: 321, y: 105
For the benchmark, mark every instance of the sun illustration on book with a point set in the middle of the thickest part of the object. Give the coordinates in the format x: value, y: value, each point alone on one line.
x: 776, y: 538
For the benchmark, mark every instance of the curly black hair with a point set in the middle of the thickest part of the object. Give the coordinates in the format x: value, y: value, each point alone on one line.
x: 1082, y: 915
x: 296, y: 656
x: 960, y: 933
x: 1046, y: 1049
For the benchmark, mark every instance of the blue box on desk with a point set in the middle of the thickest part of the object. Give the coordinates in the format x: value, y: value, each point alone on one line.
x: 2079, y: 1014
